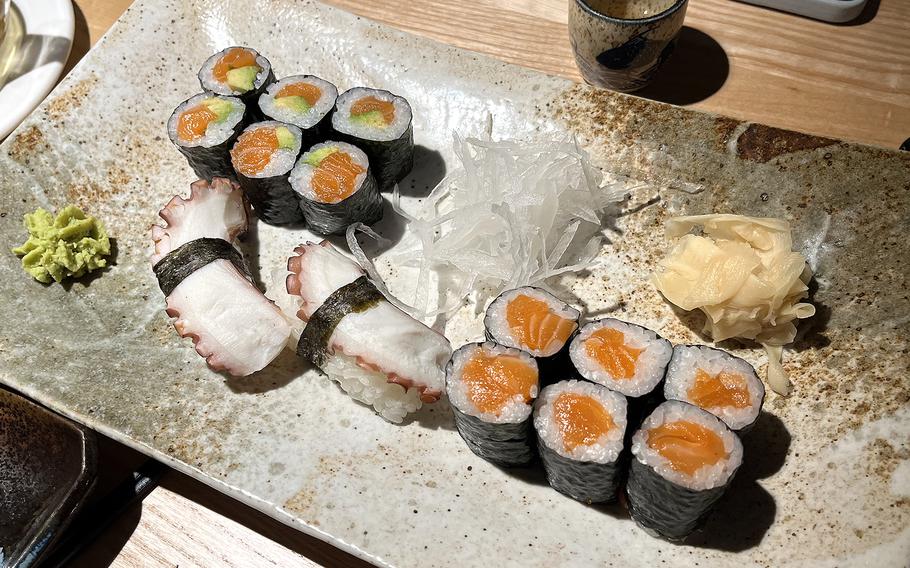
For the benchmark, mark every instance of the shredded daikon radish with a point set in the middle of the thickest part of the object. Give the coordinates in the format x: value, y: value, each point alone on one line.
x: 512, y: 214
x: 743, y: 274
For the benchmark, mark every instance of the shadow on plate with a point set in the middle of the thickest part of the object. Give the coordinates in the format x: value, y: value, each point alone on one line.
x: 697, y: 69
x: 436, y: 416
x: 747, y: 510
x: 429, y: 169
x: 284, y: 369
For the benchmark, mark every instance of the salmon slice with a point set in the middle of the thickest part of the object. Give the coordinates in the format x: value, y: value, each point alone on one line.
x: 721, y: 390
x: 233, y: 59
x: 581, y: 419
x: 608, y: 347
x: 534, y: 325
x: 335, y: 176
x: 688, y: 446
x: 493, y: 381
x: 194, y: 122
x: 253, y: 150
x: 309, y: 93
x: 372, y: 104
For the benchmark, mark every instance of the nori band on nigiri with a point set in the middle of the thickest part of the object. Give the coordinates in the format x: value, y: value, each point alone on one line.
x: 358, y: 296
x: 190, y: 257
x: 588, y: 482
x: 505, y: 445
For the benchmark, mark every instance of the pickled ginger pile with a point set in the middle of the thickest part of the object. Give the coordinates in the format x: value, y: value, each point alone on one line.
x: 743, y: 274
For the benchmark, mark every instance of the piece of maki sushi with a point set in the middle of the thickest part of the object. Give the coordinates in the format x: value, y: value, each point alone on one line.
x: 204, y: 128
x: 491, y: 389
x: 714, y: 380
x: 624, y: 357
x: 683, y: 460
x: 380, y: 123
x: 534, y: 321
x: 336, y: 188
x: 305, y: 101
x: 580, y: 429
x: 263, y: 157
x: 238, y: 71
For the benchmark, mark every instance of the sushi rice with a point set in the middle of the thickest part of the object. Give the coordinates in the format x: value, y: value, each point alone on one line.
x: 218, y: 130
x: 681, y: 377
x: 499, y: 330
x: 307, y: 119
x: 650, y: 363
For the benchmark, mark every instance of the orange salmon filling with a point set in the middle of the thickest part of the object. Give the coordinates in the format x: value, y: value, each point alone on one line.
x: 688, y: 446
x: 253, y: 150
x: 721, y: 390
x: 581, y: 419
x: 370, y: 104
x: 233, y: 59
x: 310, y: 93
x: 608, y: 347
x: 534, y: 325
x: 194, y: 122
x: 494, y: 380
x: 334, y: 178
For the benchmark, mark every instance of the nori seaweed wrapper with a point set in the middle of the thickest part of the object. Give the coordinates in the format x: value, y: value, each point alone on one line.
x: 362, y: 206
x: 214, y: 161
x: 391, y: 160
x: 505, y: 445
x: 273, y: 198
x: 190, y: 257
x: 358, y: 296
x: 665, y: 509
x: 588, y: 482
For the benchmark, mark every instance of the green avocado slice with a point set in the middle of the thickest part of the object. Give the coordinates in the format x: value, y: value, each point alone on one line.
x: 242, y: 78
x: 295, y: 103
x: 316, y: 158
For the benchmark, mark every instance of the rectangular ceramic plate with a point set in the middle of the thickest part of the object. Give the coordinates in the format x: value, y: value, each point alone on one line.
x: 826, y: 474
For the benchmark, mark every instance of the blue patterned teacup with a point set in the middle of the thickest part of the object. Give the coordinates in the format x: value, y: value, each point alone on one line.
x: 620, y: 44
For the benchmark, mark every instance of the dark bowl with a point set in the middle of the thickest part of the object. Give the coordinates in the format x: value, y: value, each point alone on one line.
x: 47, y: 467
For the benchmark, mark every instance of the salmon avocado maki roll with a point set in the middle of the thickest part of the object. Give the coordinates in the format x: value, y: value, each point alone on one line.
x: 380, y: 123
x: 724, y: 385
x: 263, y: 157
x: 491, y: 389
x: 580, y: 429
x: 302, y: 100
x: 336, y: 188
x: 203, y: 128
x: 238, y: 71
x: 683, y: 460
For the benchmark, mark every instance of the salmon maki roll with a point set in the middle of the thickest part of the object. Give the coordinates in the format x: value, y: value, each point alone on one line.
x: 305, y: 101
x: 683, y: 460
x: 379, y: 122
x: 714, y: 380
x: 263, y: 157
x: 535, y: 321
x: 580, y: 428
x: 336, y: 188
x: 237, y: 71
x: 203, y: 128
x: 624, y: 357
x: 491, y: 388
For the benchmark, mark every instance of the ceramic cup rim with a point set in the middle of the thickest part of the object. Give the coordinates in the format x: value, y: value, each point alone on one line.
x: 583, y: 4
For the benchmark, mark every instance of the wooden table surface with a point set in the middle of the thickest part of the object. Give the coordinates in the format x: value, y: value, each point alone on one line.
x: 845, y: 81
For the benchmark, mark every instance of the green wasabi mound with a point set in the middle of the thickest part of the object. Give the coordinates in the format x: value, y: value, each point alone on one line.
x: 68, y: 245
x: 285, y: 138
x: 316, y: 158
x: 371, y: 118
x: 242, y: 78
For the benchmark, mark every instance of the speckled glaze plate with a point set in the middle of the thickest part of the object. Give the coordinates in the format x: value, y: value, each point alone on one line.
x: 826, y: 479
